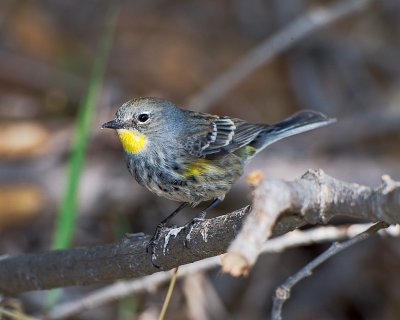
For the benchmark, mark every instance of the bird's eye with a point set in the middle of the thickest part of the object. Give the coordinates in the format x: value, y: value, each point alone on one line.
x: 143, y: 117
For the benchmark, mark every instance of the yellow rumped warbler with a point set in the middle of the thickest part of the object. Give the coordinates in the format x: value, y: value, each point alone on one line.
x: 192, y: 157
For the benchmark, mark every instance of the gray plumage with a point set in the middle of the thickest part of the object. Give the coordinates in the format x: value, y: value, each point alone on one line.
x: 193, y: 157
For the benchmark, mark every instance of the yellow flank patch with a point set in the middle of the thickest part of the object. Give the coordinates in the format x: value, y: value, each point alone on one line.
x: 250, y: 150
x: 132, y: 140
x: 246, y: 152
x: 199, y: 167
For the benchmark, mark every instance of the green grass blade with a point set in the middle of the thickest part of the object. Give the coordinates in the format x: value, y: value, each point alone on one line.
x: 67, y: 212
x: 65, y: 221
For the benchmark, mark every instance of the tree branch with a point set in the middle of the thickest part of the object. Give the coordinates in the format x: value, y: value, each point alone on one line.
x: 125, y: 259
x: 300, y: 28
x: 313, y: 199
x: 122, y: 289
x: 281, y: 206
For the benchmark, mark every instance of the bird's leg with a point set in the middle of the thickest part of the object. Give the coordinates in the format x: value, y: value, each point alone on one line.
x: 160, y: 226
x: 202, y: 214
x: 200, y: 217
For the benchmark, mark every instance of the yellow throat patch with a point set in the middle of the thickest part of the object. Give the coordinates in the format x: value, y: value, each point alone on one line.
x: 132, y: 140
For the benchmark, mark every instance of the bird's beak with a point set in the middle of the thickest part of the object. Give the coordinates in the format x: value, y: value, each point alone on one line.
x: 113, y: 124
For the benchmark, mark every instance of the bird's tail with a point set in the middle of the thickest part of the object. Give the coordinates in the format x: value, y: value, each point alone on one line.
x: 297, y: 123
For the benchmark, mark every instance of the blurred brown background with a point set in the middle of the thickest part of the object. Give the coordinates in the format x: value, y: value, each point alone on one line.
x: 173, y: 49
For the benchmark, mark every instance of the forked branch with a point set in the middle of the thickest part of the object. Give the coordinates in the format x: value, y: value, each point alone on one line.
x: 279, y: 207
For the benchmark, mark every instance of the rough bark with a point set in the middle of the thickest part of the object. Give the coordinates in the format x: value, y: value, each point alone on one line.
x: 125, y: 259
x: 279, y: 207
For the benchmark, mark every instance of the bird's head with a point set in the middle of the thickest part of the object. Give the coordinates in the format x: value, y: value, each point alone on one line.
x: 141, y: 121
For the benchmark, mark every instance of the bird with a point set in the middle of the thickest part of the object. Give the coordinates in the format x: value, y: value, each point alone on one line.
x: 191, y: 157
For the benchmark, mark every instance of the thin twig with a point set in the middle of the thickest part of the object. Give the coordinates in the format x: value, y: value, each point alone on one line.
x: 283, y: 292
x: 202, y: 299
x: 169, y: 295
x: 311, y: 21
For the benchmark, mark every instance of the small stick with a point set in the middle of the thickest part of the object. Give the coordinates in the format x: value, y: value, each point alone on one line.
x: 282, y: 293
x: 169, y: 294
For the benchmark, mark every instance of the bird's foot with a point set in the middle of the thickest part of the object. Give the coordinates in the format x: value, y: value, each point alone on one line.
x: 154, y: 239
x: 151, y: 246
x: 189, y: 228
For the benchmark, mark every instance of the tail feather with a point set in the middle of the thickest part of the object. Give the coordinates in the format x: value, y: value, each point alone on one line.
x: 297, y: 123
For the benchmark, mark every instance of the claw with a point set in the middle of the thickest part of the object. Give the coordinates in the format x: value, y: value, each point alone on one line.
x: 189, y: 229
x: 150, y: 248
x: 153, y: 258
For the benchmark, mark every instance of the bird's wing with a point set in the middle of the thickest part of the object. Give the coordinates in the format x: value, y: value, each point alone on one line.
x: 208, y: 134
